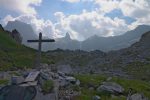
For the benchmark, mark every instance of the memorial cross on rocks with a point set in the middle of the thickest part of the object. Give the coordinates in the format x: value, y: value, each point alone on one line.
x: 40, y: 41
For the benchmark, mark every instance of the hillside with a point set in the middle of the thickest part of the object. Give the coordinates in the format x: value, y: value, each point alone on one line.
x: 133, y: 61
x: 14, y: 55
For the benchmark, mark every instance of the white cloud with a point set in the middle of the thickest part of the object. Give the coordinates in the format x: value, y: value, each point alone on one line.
x: 90, y: 23
x: 76, y: 1
x: 6, y: 19
x: 137, y: 9
x: 107, y: 5
x: 39, y: 25
x: 21, y: 6
x: 86, y: 24
x: 71, y: 1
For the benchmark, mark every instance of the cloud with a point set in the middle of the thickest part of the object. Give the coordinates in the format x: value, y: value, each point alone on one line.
x: 20, y: 6
x: 107, y: 5
x: 76, y: 1
x: 71, y: 1
x: 38, y: 25
x: 131, y: 8
x: 135, y: 9
x: 87, y: 24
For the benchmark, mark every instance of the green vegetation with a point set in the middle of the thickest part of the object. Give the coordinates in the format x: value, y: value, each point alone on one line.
x: 138, y: 70
x: 47, y: 86
x: 15, y: 56
x: 3, y: 82
x: 95, y: 80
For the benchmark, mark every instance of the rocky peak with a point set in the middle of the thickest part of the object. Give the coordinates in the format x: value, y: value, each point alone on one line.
x: 146, y: 36
x: 1, y: 27
x: 67, y: 36
x: 16, y: 35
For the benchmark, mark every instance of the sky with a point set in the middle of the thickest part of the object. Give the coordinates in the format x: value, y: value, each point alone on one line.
x: 80, y: 18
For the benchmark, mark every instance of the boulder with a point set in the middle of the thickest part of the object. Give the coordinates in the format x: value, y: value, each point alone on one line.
x: 61, y: 74
x: 70, y: 79
x: 65, y: 69
x: 111, y: 87
x: 45, y: 76
x: 63, y: 82
x: 78, y: 82
x: 17, y: 79
x: 109, y: 78
x: 137, y: 96
x: 96, y: 97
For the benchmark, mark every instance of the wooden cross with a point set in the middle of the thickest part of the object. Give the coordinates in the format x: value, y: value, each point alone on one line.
x: 40, y: 40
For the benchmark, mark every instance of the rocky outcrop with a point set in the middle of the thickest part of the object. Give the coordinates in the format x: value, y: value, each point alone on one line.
x: 16, y: 36
x: 1, y: 27
x: 111, y: 87
x: 137, y: 96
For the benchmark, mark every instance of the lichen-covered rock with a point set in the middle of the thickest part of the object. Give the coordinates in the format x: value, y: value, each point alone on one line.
x: 137, y: 96
x: 110, y: 87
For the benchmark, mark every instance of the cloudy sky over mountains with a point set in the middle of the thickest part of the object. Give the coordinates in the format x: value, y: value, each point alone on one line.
x: 81, y: 18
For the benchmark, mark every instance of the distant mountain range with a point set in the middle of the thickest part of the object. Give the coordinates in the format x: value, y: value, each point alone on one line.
x: 93, y: 43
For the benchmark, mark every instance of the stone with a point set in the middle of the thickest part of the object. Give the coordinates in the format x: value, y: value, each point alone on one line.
x: 17, y: 79
x: 61, y: 74
x: 96, y: 97
x: 1, y: 75
x: 109, y: 78
x: 55, y: 76
x: 32, y: 76
x: 78, y: 82
x: 137, y: 96
x: 111, y: 87
x: 63, y: 82
x: 45, y: 76
x: 65, y: 69
x: 91, y: 88
x: 16, y: 36
x: 70, y: 79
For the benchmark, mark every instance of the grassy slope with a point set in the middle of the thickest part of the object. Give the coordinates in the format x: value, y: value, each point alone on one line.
x: 96, y: 80
x: 13, y: 55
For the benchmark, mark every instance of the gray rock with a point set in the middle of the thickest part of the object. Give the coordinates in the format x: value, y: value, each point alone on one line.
x: 65, y: 69
x: 96, y: 97
x: 70, y: 79
x: 63, y: 82
x: 110, y: 87
x: 61, y: 74
x: 109, y: 78
x: 17, y: 79
x: 137, y: 96
x: 78, y: 82
x: 55, y: 76
x: 45, y: 76
x: 41, y: 96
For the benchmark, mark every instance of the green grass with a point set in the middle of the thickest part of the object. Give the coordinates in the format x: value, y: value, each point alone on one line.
x: 15, y: 56
x: 3, y: 82
x: 138, y: 70
x: 95, y: 80
x: 47, y: 86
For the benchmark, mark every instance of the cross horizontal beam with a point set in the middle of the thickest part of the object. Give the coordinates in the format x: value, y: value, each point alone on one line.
x: 46, y: 40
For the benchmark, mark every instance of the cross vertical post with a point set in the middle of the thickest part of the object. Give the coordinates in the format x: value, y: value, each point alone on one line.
x: 39, y: 50
x: 39, y: 41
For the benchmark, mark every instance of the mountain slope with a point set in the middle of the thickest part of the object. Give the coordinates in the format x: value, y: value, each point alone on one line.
x: 133, y: 61
x: 13, y: 55
x: 116, y: 42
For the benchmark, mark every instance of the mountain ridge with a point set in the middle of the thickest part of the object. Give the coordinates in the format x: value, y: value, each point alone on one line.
x: 92, y: 43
